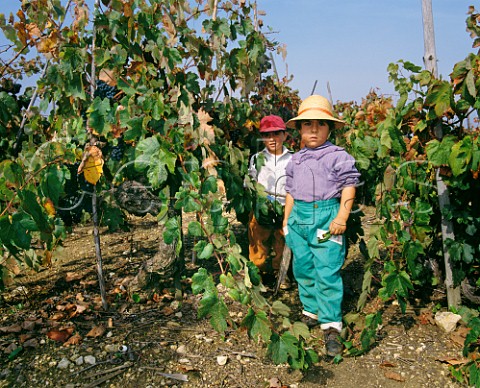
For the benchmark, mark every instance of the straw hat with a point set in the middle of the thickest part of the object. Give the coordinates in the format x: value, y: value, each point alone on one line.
x: 272, y: 123
x: 315, y: 107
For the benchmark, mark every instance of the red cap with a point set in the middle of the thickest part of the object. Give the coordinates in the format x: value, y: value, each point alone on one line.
x: 272, y: 123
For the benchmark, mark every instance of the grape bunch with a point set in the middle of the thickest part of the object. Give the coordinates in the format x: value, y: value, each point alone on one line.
x: 104, y: 90
x: 117, y: 151
x: 235, y: 135
x: 76, y: 198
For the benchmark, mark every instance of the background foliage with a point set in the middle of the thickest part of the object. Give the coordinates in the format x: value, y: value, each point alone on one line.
x: 172, y: 93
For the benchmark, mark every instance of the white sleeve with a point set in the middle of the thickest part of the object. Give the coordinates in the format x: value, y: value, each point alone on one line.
x: 252, y: 169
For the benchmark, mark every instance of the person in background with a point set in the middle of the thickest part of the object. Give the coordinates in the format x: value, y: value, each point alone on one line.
x: 320, y: 184
x: 267, y: 167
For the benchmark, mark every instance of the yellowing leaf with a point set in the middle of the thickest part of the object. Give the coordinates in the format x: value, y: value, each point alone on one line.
x: 96, y: 331
x: 108, y: 76
x: 207, y: 133
x: 49, y: 207
x: 92, y: 165
x: 168, y: 26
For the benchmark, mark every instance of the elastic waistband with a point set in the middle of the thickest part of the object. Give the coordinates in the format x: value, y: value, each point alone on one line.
x: 302, y: 205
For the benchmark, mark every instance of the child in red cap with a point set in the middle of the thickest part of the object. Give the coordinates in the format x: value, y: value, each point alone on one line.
x: 267, y: 167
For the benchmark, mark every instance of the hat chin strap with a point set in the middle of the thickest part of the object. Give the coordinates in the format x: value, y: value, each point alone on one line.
x: 314, y: 108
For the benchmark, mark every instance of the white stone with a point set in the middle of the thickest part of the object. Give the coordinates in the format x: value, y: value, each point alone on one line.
x: 222, y: 360
x: 79, y: 360
x: 447, y: 320
x: 182, y: 349
x: 90, y: 360
x: 63, y: 364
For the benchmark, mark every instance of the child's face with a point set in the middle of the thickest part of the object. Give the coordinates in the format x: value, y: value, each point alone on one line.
x: 314, y: 132
x: 274, y: 141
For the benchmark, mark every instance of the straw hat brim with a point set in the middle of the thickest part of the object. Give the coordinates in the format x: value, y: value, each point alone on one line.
x: 314, y: 115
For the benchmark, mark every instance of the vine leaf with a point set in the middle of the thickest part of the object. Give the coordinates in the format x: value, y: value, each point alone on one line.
x: 460, y: 156
x: 438, y: 152
x: 210, y: 305
x: 207, y: 133
x: 257, y: 325
x: 92, y: 165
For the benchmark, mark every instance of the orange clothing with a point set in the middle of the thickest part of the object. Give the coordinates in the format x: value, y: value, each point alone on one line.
x: 262, y: 242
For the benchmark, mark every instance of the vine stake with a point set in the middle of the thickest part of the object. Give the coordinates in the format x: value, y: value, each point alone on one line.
x: 430, y: 60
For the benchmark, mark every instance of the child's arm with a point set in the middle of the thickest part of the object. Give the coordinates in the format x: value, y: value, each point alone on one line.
x: 288, y: 208
x: 339, y: 223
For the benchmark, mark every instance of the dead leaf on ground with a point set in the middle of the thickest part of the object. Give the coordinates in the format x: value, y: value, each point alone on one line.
x: 88, y: 282
x: 387, y: 364
x: 167, y: 311
x: 58, y: 316
x: 31, y: 343
x: 73, y: 340
x: 71, y: 276
x: 28, y: 325
x: 97, y: 331
x: 79, y: 309
x: 426, y: 318
x: 187, y: 368
x: 275, y: 382
x: 394, y: 376
x: 452, y: 360
x: 79, y: 297
x: 60, y: 335
x: 24, y: 337
x: 15, y: 328
x: 459, y: 335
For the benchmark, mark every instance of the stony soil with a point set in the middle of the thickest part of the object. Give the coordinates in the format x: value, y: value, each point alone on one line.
x: 152, y: 339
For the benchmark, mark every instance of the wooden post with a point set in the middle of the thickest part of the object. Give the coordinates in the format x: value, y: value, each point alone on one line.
x: 430, y: 62
x: 98, y: 251
x: 96, y: 234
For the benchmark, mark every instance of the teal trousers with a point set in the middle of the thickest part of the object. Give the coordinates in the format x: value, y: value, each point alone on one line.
x: 316, y: 265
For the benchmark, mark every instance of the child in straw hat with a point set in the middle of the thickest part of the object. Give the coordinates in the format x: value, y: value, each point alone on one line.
x: 320, y: 185
x: 267, y: 167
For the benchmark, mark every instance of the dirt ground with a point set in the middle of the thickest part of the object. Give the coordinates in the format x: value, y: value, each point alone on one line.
x: 54, y: 332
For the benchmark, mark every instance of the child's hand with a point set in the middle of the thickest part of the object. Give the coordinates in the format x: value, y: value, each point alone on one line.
x: 338, y: 226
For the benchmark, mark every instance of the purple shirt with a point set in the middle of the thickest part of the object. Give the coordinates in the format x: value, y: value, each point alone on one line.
x: 318, y: 174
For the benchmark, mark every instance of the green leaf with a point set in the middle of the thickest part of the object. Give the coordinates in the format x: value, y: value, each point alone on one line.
x: 441, y: 98
x: 284, y: 348
x: 470, y: 82
x: 195, y: 229
x: 460, y: 156
x: 13, y: 232
x: 257, y: 298
x: 206, y: 252
x: 100, y: 115
x: 52, y: 184
x: 438, y: 153
x: 202, y: 280
x: 136, y: 298
x: 151, y: 156
x: 300, y: 329
x: 31, y: 206
x: 252, y: 274
x: 171, y: 233
x: 279, y: 307
x: 398, y: 283
x: 372, y: 247
x: 257, y: 324
x: 235, y: 263
x: 209, y: 185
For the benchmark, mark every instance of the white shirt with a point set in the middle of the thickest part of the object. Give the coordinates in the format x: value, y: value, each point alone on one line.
x: 272, y: 174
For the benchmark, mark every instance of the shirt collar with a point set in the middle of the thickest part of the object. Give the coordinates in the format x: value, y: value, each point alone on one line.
x: 285, y: 150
